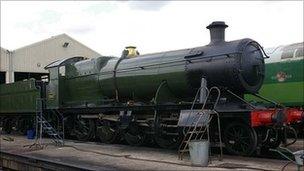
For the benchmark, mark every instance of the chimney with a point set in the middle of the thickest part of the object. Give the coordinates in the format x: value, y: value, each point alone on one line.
x: 217, y: 32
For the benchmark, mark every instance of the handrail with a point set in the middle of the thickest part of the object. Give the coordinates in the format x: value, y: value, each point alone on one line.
x: 268, y: 100
x: 238, y: 97
x: 192, y: 129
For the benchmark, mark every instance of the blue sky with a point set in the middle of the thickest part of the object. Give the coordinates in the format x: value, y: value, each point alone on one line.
x: 109, y: 26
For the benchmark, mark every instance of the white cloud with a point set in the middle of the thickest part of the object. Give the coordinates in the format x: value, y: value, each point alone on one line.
x: 147, y: 5
x: 151, y: 26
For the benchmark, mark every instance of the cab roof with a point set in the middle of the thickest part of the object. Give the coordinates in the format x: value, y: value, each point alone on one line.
x: 65, y: 61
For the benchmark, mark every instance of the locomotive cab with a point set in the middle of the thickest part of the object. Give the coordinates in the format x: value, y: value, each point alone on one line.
x: 55, y: 87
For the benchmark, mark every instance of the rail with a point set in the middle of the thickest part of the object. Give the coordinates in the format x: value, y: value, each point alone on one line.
x: 21, y: 162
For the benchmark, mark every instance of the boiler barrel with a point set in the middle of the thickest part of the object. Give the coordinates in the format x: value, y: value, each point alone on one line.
x: 236, y: 65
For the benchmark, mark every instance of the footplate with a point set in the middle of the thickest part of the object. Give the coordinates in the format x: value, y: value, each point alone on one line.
x: 189, y: 118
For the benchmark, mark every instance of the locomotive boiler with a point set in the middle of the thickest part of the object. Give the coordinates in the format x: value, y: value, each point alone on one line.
x: 236, y: 65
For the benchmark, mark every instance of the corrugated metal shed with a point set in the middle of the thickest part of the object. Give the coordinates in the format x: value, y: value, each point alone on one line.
x: 6, y: 69
x: 34, y: 57
x: 4, y: 60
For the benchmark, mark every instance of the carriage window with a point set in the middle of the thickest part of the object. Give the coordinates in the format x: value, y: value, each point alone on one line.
x: 287, y: 54
x: 299, y: 53
x: 62, y: 71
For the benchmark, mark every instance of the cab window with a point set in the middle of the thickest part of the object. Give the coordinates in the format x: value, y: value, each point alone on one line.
x: 287, y: 54
x: 62, y: 71
x: 299, y: 53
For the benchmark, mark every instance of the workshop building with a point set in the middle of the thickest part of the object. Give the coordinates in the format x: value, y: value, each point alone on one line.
x: 29, y: 61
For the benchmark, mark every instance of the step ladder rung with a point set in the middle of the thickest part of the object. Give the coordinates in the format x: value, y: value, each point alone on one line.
x: 190, y: 132
x: 171, y: 133
x: 199, y: 121
x: 51, y: 133
x: 48, y: 128
x: 54, y: 134
x: 171, y: 126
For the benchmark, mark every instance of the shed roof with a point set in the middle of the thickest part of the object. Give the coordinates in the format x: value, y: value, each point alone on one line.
x: 53, y: 38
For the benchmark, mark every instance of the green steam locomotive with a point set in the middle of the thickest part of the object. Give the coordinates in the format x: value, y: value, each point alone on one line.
x: 140, y: 98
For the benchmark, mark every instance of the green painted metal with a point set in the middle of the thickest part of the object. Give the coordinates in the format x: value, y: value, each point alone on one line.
x: 92, y: 83
x: 56, y: 90
x: 284, y: 71
x: 134, y: 81
x: 288, y: 94
x: 53, y: 92
x: 76, y: 85
x: 284, y: 83
x: 98, y: 81
x: 19, y: 97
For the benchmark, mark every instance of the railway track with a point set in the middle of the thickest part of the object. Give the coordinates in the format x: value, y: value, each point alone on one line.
x: 23, y: 162
x: 19, y: 162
